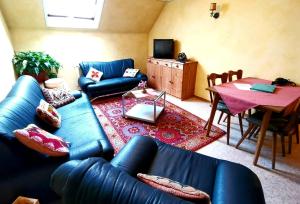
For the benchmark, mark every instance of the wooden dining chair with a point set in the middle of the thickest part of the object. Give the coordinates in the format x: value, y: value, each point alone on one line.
x: 212, y: 80
x: 238, y: 75
x: 280, y: 124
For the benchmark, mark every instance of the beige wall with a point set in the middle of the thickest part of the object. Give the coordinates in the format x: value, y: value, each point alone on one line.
x: 72, y: 47
x: 259, y: 36
x: 7, y: 77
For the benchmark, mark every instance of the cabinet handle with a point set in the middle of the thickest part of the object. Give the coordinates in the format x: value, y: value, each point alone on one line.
x: 156, y: 62
x: 177, y: 66
x: 153, y: 77
x: 166, y: 64
x: 170, y: 82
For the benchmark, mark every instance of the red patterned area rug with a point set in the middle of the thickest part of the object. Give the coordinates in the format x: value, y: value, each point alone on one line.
x: 175, y: 126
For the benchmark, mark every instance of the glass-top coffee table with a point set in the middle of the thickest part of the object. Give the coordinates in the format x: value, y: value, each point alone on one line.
x: 145, y: 105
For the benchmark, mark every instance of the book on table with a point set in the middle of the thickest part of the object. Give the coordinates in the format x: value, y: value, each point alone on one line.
x: 268, y: 88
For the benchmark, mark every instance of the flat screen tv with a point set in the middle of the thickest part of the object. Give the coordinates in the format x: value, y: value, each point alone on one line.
x: 163, y: 48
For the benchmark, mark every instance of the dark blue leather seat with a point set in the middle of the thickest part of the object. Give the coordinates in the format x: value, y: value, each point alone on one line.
x: 26, y: 172
x: 112, y: 80
x: 97, y: 181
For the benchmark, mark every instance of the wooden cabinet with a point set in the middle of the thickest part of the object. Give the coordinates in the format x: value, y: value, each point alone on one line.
x: 176, y: 78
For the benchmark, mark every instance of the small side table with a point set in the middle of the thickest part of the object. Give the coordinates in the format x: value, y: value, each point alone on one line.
x: 55, y: 83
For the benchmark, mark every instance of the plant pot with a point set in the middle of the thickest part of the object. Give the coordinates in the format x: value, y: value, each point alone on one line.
x: 41, y: 77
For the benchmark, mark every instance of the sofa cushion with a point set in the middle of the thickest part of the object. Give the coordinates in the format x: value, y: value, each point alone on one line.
x: 48, y: 114
x: 130, y: 72
x: 196, y: 170
x: 58, y: 97
x: 110, y: 70
x: 173, y: 187
x: 42, y: 141
x: 94, y: 74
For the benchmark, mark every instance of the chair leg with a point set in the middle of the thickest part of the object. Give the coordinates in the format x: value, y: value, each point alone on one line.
x: 249, y: 112
x: 225, y: 118
x: 228, y: 128
x: 256, y: 132
x: 282, y: 145
x: 251, y: 126
x: 206, y: 124
x: 290, y: 136
x: 220, y: 117
x: 243, y: 114
x: 253, y: 131
x: 241, y: 123
x: 297, y: 133
x: 274, y: 149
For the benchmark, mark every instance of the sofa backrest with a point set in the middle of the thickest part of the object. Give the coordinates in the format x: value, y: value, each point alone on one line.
x: 110, y: 70
x: 17, y: 110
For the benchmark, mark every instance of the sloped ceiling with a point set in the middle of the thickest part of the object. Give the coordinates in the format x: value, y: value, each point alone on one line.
x: 117, y: 16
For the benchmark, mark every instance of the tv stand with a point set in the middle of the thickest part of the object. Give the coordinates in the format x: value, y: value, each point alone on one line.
x: 174, y: 77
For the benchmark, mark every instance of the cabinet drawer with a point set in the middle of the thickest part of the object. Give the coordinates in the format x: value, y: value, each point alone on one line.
x: 177, y: 65
x: 167, y: 64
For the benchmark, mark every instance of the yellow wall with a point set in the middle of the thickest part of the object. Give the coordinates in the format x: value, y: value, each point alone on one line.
x: 72, y: 47
x: 7, y: 77
x: 259, y: 36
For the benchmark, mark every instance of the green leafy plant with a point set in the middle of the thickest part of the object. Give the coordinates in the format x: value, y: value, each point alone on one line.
x: 34, y: 63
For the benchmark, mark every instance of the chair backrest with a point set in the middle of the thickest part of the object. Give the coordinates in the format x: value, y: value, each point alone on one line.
x: 212, y: 81
x: 294, y: 115
x: 238, y: 74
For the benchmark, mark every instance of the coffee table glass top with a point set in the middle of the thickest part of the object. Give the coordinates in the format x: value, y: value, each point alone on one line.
x: 143, y: 104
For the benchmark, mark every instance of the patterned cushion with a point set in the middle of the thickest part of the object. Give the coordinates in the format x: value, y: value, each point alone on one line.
x: 42, y: 141
x: 58, y: 97
x: 48, y: 114
x: 129, y: 72
x: 94, y: 74
x: 173, y: 187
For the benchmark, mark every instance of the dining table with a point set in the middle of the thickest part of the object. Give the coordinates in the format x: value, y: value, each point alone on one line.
x: 238, y: 97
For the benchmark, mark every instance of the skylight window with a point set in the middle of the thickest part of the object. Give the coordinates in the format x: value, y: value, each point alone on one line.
x: 73, y: 13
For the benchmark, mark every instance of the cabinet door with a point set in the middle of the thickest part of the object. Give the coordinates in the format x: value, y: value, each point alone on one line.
x: 177, y: 75
x: 166, y: 81
x: 154, y: 75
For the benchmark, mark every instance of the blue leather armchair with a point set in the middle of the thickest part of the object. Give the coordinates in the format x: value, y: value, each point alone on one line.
x: 26, y: 172
x: 112, y: 81
x: 97, y: 181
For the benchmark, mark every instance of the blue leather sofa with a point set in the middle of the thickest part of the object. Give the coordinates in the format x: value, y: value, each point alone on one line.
x: 112, y: 81
x: 95, y: 180
x: 26, y: 172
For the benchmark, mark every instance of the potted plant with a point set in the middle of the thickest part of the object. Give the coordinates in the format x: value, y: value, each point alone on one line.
x: 37, y: 64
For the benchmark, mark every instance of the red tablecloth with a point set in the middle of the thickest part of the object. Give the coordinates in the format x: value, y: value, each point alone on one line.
x: 238, y: 100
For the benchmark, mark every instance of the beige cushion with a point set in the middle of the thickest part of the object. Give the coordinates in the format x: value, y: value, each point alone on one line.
x: 129, y: 72
x: 48, y: 114
x: 173, y: 187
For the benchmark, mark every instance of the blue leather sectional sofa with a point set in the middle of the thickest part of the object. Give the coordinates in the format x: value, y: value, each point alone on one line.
x: 95, y: 180
x: 26, y: 172
x: 112, y: 81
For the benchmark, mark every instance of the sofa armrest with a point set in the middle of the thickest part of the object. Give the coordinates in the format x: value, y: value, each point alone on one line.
x: 94, y: 180
x: 77, y: 94
x: 140, y: 76
x: 235, y: 184
x: 136, y: 156
x: 60, y: 176
x: 91, y: 149
x: 84, y: 82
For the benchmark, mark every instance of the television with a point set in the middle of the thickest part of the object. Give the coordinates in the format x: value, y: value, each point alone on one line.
x: 163, y: 48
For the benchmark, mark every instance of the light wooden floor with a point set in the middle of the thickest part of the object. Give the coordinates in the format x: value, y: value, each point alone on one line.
x: 281, y: 185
